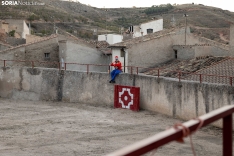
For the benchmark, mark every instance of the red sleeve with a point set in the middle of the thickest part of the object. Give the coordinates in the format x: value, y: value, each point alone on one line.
x: 119, y: 65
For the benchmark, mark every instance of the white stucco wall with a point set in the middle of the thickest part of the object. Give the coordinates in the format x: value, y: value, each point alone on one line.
x: 156, y: 25
x: 26, y: 30
x: 111, y: 38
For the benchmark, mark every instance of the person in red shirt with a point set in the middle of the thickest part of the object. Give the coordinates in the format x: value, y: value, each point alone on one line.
x: 118, y: 69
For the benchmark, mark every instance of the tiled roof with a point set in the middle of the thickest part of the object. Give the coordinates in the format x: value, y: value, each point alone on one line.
x: 100, y: 45
x: 195, y: 45
x: 171, y: 68
x: 218, y: 73
x: 212, y: 69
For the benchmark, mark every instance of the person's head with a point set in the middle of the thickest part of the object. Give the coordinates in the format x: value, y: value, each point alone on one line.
x: 116, y: 58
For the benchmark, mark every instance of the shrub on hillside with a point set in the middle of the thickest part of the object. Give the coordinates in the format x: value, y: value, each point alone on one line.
x: 158, y: 9
x: 12, y: 33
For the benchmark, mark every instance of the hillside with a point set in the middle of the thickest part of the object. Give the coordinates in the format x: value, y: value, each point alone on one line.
x: 81, y: 20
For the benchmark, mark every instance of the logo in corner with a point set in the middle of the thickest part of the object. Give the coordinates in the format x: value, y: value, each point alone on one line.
x: 9, y: 2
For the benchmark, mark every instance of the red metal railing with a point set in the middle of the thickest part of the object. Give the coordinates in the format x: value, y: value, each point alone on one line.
x: 173, y: 134
x: 131, y: 69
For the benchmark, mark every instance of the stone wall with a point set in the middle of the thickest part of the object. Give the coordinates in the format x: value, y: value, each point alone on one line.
x: 4, y: 46
x: 15, y: 41
x: 183, y: 99
x: 231, y: 42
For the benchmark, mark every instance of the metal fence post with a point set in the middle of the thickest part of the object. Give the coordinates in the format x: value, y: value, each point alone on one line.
x: 231, y: 81
x: 200, y: 78
x: 87, y: 68
x: 179, y: 75
x: 59, y: 65
x: 137, y: 70
x: 227, y: 135
x: 131, y: 69
x: 32, y: 64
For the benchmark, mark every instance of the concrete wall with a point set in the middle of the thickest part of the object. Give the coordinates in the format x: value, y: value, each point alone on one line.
x: 184, y: 52
x: 152, y: 52
x: 80, y: 53
x: 184, y: 99
x: 191, y: 51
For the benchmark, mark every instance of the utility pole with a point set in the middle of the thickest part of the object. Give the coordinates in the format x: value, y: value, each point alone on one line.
x: 106, y: 19
x: 185, y: 15
x: 30, y: 20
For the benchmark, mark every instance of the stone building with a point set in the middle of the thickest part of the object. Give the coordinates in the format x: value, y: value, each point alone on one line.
x: 148, y: 28
x: 166, y: 45
x: 56, y: 50
x: 20, y: 27
x: 45, y: 50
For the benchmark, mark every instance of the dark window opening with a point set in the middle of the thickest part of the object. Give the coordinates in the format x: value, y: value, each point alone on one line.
x: 175, y: 54
x: 47, y: 55
x: 149, y: 31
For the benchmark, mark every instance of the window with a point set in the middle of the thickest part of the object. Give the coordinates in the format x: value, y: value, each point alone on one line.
x: 149, y: 31
x: 47, y: 55
x: 175, y: 54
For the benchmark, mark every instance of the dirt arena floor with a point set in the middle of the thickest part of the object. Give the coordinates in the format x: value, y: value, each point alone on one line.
x: 63, y: 129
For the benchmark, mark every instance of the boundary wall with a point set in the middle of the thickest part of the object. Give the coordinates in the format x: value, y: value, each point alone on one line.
x: 183, y: 99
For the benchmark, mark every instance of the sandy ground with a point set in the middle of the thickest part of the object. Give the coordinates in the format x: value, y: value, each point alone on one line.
x: 54, y: 128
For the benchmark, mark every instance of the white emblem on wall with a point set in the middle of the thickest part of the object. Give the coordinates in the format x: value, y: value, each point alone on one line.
x: 126, y: 98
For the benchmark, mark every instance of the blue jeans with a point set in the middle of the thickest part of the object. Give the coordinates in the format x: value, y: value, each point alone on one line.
x: 114, y: 73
